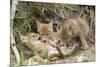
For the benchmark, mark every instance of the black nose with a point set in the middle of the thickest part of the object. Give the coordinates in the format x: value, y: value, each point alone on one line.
x: 44, y: 40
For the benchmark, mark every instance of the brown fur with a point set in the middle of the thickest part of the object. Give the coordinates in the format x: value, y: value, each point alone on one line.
x: 72, y: 28
x: 45, y: 30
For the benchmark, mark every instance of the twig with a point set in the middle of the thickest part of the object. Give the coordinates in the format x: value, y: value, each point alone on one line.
x: 14, y: 48
x: 13, y: 43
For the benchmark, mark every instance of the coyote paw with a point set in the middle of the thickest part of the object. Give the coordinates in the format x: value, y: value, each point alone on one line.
x: 84, y: 47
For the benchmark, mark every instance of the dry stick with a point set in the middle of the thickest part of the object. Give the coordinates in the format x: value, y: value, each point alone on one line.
x: 92, y: 20
x: 14, y: 48
x: 13, y: 43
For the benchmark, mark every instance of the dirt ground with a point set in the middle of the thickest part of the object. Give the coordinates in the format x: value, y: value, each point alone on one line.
x: 79, y: 56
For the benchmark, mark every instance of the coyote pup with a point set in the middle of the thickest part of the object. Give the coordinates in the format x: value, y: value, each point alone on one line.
x: 45, y: 29
x: 73, y: 28
x: 34, y: 44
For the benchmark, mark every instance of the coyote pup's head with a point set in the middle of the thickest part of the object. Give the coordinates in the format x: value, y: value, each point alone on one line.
x: 30, y: 37
x: 65, y: 31
x: 45, y: 29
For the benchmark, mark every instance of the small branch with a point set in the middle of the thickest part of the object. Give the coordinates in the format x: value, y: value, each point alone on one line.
x: 13, y: 43
x: 14, y: 48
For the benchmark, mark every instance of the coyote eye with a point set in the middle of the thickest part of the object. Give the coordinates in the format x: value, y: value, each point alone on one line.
x: 33, y: 36
x: 69, y: 28
x: 41, y: 34
x: 38, y: 33
x: 66, y: 38
x: 47, y: 34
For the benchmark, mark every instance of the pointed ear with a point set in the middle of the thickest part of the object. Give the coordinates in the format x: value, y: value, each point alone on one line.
x: 23, y: 38
x: 59, y: 28
x: 51, y: 23
x: 38, y: 23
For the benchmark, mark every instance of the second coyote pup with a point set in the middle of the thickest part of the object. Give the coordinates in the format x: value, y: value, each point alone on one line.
x: 72, y: 28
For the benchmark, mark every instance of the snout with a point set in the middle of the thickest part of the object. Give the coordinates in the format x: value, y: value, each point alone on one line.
x: 44, y: 39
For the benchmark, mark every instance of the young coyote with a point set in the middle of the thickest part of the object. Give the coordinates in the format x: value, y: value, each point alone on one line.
x: 45, y: 30
x: 48, y: 35
x: 73, y: 28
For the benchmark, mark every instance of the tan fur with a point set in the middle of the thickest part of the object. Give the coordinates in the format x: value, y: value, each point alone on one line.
x: 45, y: 30
x: 34, y: 44
x: 72, y: 28
x: 32, y: 39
